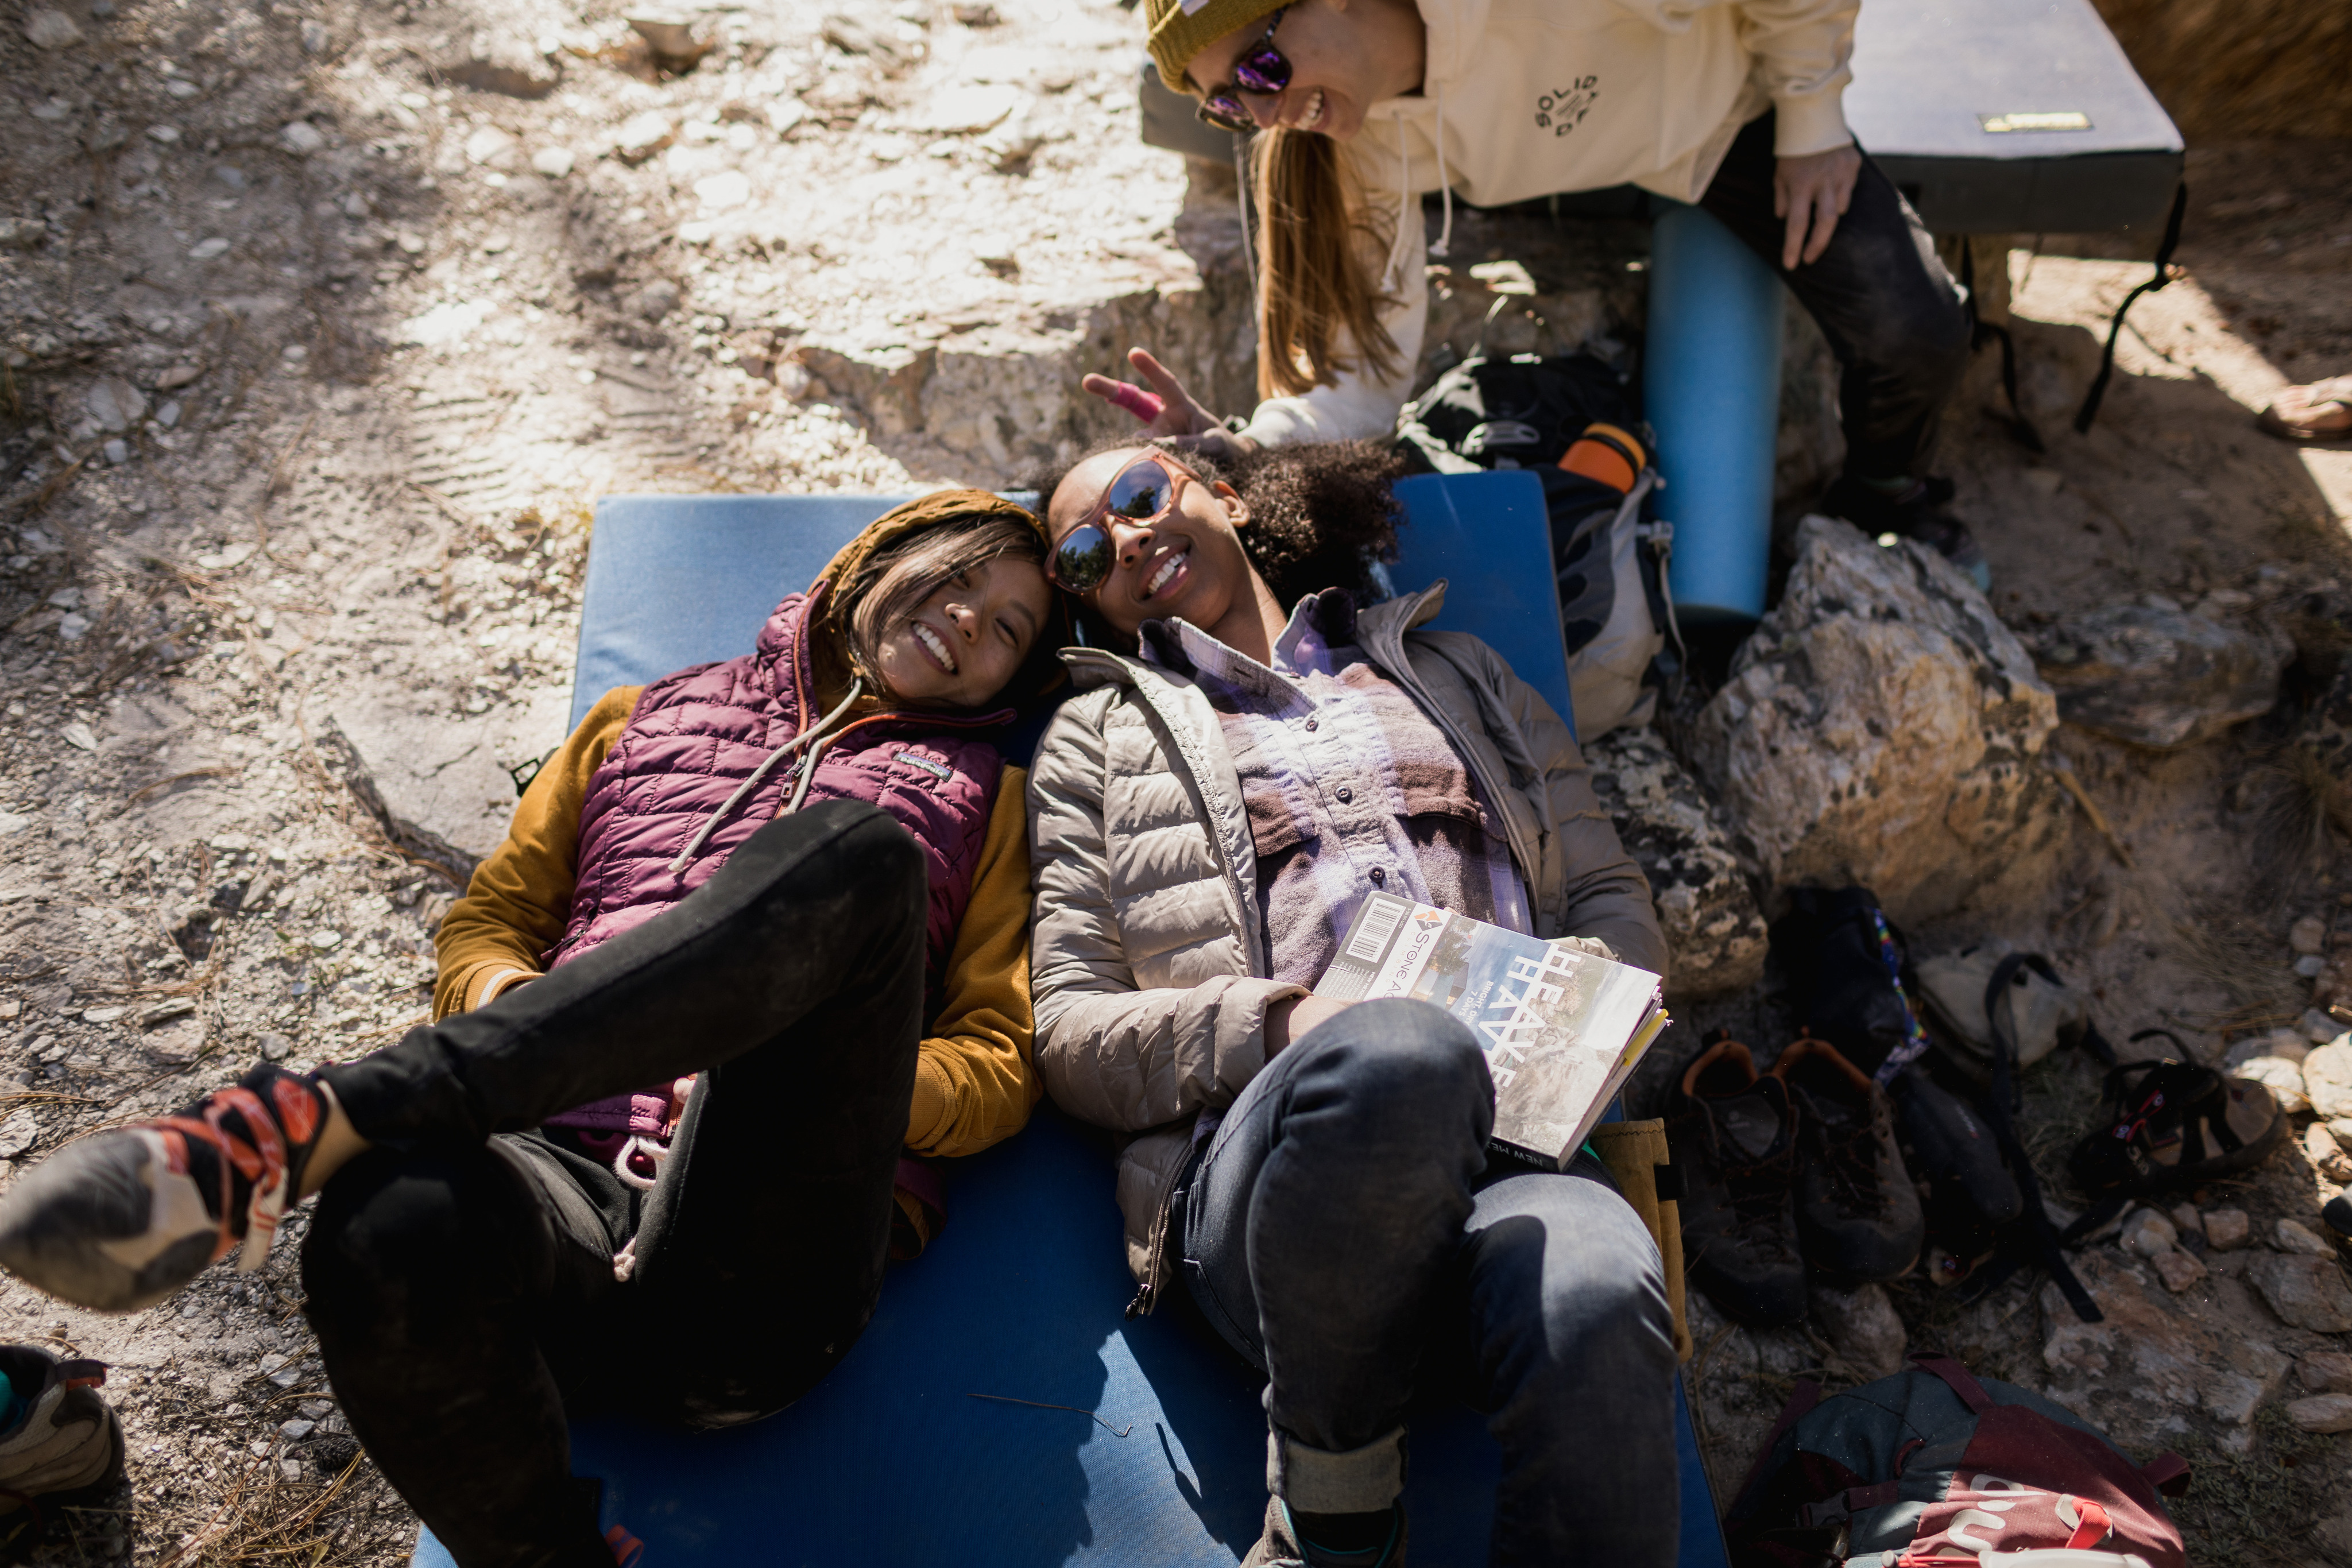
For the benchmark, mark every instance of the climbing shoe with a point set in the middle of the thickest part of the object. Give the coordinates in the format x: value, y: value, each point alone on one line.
x: 1971, y: 1194
x: 1287, y: 1544
x: 1733, y: 1134
x: 60, y: 1442
x: 124, y: 1218
x: 1918, y: 513
x: 1858, y: 1216
x: 2167, y: 1125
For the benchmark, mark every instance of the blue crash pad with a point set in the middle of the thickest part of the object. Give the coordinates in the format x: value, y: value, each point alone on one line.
x: 890, y: 1461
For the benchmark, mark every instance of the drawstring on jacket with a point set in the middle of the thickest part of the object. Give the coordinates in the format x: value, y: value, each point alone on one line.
x: 808, y: 771
x: 1408, y: 224
x: 1444, y: 185
x: 1400, y: 243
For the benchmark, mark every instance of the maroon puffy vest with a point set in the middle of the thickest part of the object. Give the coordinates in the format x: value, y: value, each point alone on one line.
x: 695, y: 736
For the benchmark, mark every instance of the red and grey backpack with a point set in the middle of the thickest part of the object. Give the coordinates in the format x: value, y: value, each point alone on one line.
x: 1932, y: 1468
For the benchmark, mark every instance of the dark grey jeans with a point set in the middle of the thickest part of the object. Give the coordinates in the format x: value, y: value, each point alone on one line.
x: 1345, y: 1233
x: 1893, y: 316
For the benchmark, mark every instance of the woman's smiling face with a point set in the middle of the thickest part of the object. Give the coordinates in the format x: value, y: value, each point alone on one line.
x: 962, y: 645
x: 1344, y: 57
x: 1187, y: 563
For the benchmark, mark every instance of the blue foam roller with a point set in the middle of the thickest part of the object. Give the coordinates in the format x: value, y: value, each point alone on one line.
x: 1711, y: 389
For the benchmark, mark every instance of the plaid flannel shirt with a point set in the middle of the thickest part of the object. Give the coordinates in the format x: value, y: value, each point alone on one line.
x: 1350, y: 788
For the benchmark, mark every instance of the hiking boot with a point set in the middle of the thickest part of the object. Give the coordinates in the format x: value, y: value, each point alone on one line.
x: 1733, y: 1136
x: 1917, y: 514
x: 1858, y: 1215
x: 1280, y: 1546
x: 122, y: 1219
x: 59, y: 1438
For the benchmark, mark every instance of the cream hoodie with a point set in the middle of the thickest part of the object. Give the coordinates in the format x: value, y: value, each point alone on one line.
x: 1526, y: 97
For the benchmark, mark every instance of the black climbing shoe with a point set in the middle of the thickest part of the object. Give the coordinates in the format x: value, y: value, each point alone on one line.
x: 2168, y: 1125
x: 1919, y: 514
x: 1733, y: 1134
x: 1858, y: 1216
x: 1971, y: 1194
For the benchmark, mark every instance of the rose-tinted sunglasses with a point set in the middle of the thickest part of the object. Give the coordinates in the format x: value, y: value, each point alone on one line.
x: 1263, y: 69
x: 1143, y: 493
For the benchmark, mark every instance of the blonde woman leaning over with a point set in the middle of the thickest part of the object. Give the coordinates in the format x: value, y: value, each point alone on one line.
x: 1365, y: 105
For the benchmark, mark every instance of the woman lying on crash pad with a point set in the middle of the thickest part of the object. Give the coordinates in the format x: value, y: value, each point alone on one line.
x: 801, y: 877
x: 1250, y: 754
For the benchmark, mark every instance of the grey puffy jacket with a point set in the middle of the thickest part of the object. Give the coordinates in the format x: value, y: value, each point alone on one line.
x: 1147, y: 960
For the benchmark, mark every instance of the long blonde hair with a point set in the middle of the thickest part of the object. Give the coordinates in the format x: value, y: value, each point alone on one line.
x: 1316, y: 283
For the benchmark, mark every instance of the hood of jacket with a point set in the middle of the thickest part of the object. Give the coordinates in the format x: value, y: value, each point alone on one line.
x: 828, y: 649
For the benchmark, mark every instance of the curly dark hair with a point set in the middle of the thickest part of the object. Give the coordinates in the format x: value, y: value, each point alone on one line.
x: 1321, y: 514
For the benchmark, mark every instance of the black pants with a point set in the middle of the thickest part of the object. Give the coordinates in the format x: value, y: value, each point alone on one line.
x: 1893, y: 316
x: 461, y: 1273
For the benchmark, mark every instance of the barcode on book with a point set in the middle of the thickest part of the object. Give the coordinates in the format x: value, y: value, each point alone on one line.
x: 1373, y: 932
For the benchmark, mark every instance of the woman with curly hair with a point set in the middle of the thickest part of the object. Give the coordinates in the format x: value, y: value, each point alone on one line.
x: 1251, y: 754
x: 1319, y: 517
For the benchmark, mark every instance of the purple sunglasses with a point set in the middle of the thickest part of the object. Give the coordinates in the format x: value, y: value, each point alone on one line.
x: 1263, y: 69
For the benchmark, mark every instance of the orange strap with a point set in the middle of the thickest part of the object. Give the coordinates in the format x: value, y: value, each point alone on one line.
x: 2093, y: 1528
x: 261, y: 1162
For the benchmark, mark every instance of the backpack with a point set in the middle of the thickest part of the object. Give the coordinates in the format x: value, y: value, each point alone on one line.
x: 1847, y: 968
x: 1934, y: 1467
x: 1571, y: 421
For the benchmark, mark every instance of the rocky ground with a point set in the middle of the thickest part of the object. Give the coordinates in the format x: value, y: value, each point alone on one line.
x: 322, y: 327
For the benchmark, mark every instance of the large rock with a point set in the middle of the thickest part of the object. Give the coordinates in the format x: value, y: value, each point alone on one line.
x: 992, y: 394
x: 1881, y: 726
x: 2326, y: 1372
x: 1714, y: 930
x: 2155, y: 675
x: 2308, y: 1293
x: 441, y: 789
x: 2152, y: 1356
x: 2322, y: 1412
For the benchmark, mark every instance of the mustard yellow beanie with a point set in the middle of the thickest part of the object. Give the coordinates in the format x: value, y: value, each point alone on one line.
x: 1183, y: 28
